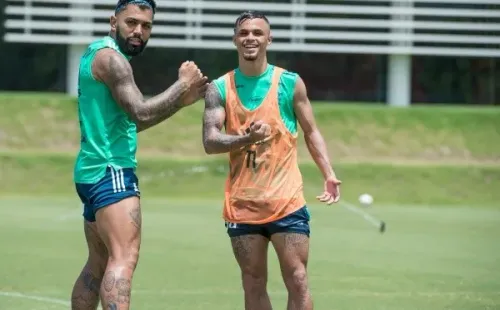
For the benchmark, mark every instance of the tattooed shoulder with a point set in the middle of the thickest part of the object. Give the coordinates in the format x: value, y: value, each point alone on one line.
x: 109, y: 67
x: 119, y: 69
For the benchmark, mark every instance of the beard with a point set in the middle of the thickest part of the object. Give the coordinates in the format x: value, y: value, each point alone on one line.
x: 252, y: 57
x: 126, y: 45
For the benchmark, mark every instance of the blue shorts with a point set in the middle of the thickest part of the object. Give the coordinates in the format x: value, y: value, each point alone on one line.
x: 116, y: 185
x: 297, y: 222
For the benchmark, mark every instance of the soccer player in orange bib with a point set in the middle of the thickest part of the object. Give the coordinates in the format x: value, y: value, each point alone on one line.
x: 260, y: 105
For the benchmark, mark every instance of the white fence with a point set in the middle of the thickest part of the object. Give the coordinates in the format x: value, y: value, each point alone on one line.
x: 399, y: 28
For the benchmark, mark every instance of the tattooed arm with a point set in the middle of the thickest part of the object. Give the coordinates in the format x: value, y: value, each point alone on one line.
x: 214, y: 140
x: 116, y: 72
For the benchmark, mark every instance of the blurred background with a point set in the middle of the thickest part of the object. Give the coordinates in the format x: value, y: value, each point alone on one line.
x: 344, y: 49
x: 406, y: 94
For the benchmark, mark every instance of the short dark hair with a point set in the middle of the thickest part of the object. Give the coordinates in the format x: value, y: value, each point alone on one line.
x: 249, y: 15
x: 146, y: 3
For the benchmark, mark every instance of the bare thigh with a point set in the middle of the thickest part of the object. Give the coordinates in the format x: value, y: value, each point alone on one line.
x: 250, y: 252
x: 292, y: 250
x: 119, y: 226
x: 291, y: 247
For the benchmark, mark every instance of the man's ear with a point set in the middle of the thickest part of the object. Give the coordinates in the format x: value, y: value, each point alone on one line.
x: 112, y: 22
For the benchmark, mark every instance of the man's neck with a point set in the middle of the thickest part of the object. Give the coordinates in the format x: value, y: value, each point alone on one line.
x: 253, y: 68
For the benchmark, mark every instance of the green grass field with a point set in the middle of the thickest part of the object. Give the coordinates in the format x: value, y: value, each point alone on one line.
x: 430, y: 257
x: 434, y: 173
x: 354, y: 132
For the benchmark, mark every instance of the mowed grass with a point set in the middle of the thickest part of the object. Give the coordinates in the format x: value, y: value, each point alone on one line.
x: 353, y: 131
x: 429, y: 258
x: 434, y: 173
x: 52, y: 174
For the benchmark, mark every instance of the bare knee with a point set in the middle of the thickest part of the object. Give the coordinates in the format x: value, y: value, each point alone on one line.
x: 254, y: 280
x: 125, y: 256
x: 296, y: 280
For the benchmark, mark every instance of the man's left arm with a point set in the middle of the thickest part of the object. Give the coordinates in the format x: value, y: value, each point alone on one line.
x: 315, y: 142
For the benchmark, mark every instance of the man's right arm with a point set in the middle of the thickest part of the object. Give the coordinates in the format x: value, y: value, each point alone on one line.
x: 214, y: 141
x: 116, y: 72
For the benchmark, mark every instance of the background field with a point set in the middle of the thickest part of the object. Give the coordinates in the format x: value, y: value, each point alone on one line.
x: 434, y: 173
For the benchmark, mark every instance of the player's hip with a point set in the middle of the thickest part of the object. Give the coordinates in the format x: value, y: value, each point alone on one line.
x: 294, y: 222
x: 252, y: 210
x: 90, y: 168
x: 116, y: 184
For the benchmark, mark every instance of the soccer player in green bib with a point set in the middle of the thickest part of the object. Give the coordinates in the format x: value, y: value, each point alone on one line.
x: 112, y: 111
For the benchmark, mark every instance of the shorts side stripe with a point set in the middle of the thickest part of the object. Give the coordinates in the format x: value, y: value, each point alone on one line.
x: 114, y: 180
x: 122, y: 181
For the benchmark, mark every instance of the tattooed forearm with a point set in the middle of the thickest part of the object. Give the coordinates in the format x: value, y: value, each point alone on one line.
x: 161, y: 107
x: 214, y: 140
x: 118, y: 76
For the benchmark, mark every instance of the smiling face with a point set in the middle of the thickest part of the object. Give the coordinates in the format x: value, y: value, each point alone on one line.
x: 132, y: 27
x: 251, y: 38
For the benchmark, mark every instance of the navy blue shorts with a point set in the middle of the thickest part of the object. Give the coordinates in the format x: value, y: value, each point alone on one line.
x: 116, y: 185
x: 297, y: 222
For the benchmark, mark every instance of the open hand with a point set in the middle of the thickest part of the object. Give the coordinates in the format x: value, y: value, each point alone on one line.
x: 331, y: 192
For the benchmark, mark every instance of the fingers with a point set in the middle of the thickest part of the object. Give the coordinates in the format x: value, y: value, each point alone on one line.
x: 187, y: 64
x: 266, y: 129
x: 254, y: 126
x: 203, y: 90
x: 203, y: 81
x: 328, y: 198
x: 190, y: 68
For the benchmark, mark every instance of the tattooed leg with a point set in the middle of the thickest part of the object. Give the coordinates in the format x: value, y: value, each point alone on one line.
x: 250, y: 252
x: 120, y: 227
x: 293, y: 252
x: 85, y: 295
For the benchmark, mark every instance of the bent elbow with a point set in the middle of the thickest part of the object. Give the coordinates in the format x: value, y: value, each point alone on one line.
x: 209, y: 150
x: 209, y: 145
x: 140, y: 117
x: 138, y: 111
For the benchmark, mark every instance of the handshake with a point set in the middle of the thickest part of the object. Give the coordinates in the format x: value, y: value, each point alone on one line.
x: 196, y: 83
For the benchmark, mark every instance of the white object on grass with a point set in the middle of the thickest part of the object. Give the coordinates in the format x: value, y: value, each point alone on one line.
x: 365, y: 199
